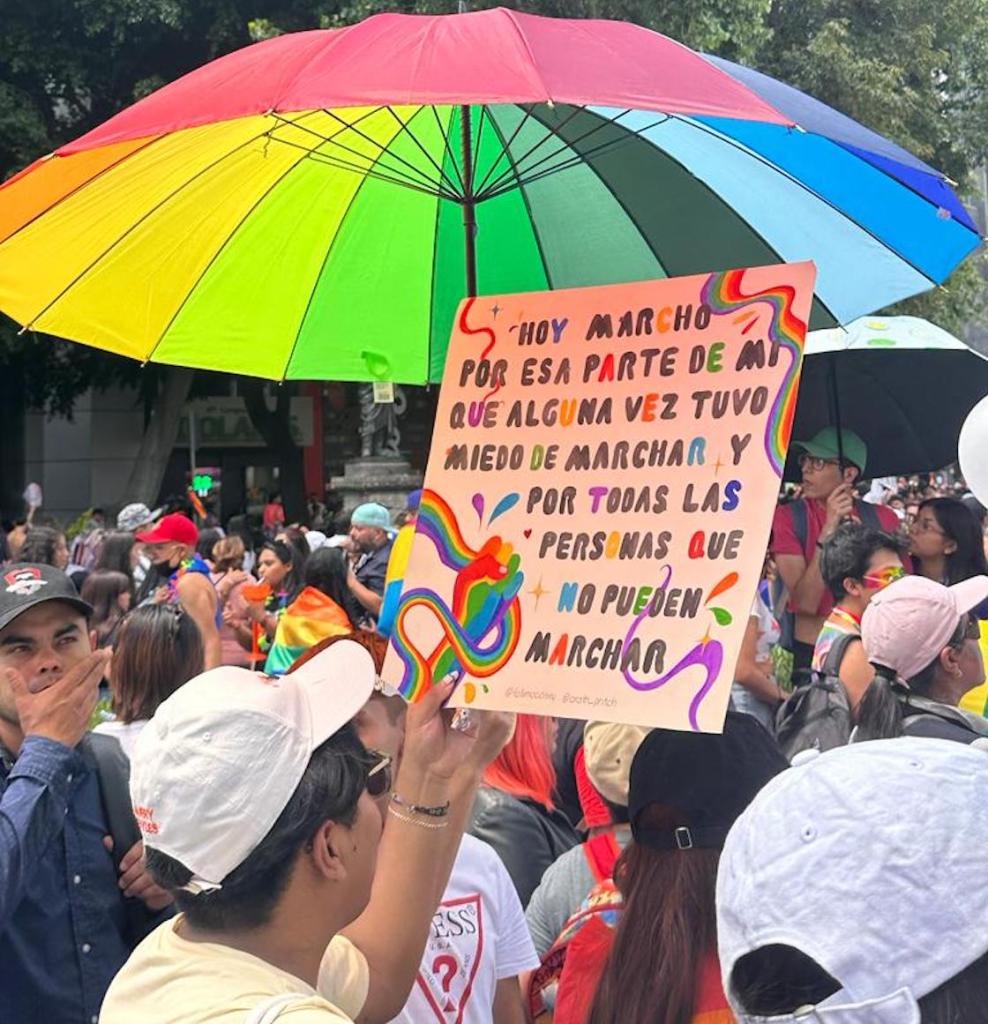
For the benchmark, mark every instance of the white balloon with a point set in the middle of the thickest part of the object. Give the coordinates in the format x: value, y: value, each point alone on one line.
x: 972, y: 450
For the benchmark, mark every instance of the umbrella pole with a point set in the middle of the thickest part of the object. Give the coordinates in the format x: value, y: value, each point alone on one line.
x: 835, y: 409
x: 469, y: 207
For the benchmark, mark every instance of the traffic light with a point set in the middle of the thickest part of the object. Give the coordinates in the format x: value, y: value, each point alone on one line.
x: 202, y: 484
x: 205, y: 481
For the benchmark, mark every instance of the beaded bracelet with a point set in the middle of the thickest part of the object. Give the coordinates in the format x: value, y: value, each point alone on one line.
x: 430, y: 812
x: 415, y: 821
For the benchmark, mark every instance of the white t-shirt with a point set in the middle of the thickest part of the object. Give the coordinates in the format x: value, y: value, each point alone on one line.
x: 125, y: 733
x: 478, y: 937
x: 169, y: 980
x: 768, y: 628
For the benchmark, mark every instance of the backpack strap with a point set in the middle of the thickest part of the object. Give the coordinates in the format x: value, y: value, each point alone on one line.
x: 835, y: 656
x: 800, y: 522
x: 869, y: 514
x: 601, y: 852
x: 268, y: 1011
x: 924, y: 707
x: 113, y: 772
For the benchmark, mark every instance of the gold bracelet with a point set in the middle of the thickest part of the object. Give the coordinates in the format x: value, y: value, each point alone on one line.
x: 415, y: 821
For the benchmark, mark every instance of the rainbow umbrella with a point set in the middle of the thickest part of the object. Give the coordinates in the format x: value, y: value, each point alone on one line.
x: 315, y: 206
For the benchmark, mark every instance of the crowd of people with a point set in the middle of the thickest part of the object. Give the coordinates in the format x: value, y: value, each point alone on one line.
x: 213, y: 808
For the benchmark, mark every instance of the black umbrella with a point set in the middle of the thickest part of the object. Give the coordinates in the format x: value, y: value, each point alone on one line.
x: 902, y: 384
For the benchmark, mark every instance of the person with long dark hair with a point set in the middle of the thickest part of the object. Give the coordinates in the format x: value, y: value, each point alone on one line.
x: 687, y: 790
x: 111, y: 595
x: 118, y: 553
x: 46, y: 546
x: 326, y: 569
x: 947, y: 543
x: 159, y: 648
x: 208, y: 539
x: 922, y: 639
x: 847, y: 891
x: 515, y: 810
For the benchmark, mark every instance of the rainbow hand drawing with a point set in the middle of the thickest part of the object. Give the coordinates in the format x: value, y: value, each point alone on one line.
x: 482, y: 628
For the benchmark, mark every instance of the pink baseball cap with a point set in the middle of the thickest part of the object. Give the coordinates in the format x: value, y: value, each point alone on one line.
x: 908, y: 624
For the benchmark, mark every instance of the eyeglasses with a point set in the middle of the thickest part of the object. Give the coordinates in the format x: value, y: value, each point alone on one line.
x: 926, y: 526
x: 972, y: 628
x: 379, y: 776
x: 883, y: 577
x: 806, y: 461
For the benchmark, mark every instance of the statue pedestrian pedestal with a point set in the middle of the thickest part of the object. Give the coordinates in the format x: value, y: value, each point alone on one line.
x: 384, y: 478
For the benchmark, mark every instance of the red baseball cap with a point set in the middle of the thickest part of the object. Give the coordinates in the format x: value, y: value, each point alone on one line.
x: 174, y: 529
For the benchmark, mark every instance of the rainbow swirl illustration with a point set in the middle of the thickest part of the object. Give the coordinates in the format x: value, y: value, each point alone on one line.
x: 723, y: 294
x: 482, y: 626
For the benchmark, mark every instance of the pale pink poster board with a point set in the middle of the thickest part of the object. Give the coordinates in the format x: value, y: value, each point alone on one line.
x: 599, y: 492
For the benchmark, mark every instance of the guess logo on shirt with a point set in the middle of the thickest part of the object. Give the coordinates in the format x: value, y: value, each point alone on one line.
x: 452, y: 954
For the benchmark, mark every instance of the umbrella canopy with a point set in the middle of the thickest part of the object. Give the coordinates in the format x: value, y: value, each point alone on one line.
x: 903, y: 384
x: 316, y: 205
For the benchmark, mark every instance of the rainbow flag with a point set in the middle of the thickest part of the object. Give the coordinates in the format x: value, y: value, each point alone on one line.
x: 311, y: 617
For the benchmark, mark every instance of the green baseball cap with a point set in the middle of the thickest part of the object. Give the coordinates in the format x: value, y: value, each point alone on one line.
x: 825, y: 446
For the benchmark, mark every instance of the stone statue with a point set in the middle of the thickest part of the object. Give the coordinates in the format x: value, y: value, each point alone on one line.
x: 379, y: 434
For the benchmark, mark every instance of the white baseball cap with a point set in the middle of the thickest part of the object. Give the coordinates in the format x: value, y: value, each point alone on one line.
x: 908, y: 624
x: 868, y: 859
x: 221, y: 758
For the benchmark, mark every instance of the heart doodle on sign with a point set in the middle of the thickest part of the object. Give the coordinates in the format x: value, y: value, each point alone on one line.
x: 527, y: 533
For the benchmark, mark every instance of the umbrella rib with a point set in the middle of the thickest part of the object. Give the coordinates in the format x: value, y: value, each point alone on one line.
x: 384, y: 150
x: 551, y: 133
x: 579, y: 158
x: 449, y: 152
x: 140, y: 220
x: 221, y: 249
x: 341, y: 164
x: 84, y: 184
x: 400, y: 176
x: 318, y: 277
x: 528, y: 206
x: 506, y: 145
x: 802, y: 185
x: 630, y: 135
x: 606, y: 185
x: 406, y: 127
x: 473, y: 163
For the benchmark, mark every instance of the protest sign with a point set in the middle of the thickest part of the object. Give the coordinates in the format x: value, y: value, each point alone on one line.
x: 598, y: 497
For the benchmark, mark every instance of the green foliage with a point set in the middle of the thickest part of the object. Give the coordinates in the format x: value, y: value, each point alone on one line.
x: 913, y: 70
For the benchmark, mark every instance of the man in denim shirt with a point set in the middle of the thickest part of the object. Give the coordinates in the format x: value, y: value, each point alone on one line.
x: 66, y: 923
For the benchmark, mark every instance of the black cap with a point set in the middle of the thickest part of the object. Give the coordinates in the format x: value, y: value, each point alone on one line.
x: 26, y: 584
x: 709, y: 779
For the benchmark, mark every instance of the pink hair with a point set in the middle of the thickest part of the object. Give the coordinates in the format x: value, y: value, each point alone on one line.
x: 524, y: 767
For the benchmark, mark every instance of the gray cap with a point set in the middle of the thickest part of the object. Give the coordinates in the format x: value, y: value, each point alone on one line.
x: 136, y: 516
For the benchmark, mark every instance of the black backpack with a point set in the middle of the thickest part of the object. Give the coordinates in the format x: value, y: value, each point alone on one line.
x: 817, y: 715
